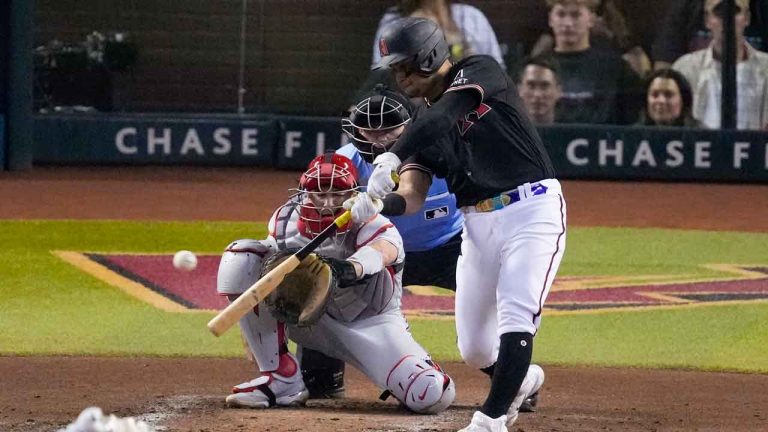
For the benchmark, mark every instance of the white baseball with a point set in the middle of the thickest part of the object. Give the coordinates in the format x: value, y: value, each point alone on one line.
x: 185, y: 260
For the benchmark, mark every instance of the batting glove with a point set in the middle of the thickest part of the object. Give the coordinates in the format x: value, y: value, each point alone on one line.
x: 381, y: 183
x: 363, y: 207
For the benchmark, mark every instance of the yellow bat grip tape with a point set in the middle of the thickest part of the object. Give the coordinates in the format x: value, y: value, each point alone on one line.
x: 343, y: 219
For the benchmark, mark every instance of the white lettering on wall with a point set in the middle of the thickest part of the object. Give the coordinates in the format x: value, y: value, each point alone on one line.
x: 192, y: 142
x: 675, y: 153
x: 120, y: 143
x: 701, y: 154
x: 250, y: 143
x: 740, y: 153
x: 320, y: 143
x: 570, y: 152
x: 292, y: 141
x: 644, y: 154
x: 223, y: 144
x: 617, y: 153
x: 153, y: 141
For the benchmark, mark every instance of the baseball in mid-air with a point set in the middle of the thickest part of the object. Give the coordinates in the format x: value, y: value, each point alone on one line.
x: 185, y: 260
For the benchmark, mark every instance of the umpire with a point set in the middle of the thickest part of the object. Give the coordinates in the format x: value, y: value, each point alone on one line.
x: 477, y: 136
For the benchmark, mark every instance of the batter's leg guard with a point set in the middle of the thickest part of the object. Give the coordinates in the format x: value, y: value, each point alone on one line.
x: 323, y: 375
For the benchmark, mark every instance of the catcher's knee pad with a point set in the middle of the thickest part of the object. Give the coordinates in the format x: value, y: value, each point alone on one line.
x: 421, y: 385
x: 240, y: 265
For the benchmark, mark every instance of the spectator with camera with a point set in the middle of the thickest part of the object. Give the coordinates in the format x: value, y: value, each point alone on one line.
x: 702, y: 69
x: 598, y: 85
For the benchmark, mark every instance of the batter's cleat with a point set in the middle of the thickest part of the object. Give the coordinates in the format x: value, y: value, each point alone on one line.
x: 532, y: 382
x: 529, y: 405
x: 482, y: 423
x: 283, y: 387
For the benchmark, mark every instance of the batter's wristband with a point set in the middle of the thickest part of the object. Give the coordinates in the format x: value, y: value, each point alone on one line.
x: 394, y: 205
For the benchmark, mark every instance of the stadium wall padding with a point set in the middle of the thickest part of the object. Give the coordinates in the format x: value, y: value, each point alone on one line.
x: 288, y: 142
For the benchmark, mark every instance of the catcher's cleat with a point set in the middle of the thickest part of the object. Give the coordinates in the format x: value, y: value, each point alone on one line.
x: 283, y: 387
x: 533, y: 381
x: 482, y: 423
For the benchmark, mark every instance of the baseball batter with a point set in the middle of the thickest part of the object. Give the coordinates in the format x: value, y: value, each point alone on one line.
x: 363, y: 324
x: 431, y: 236
x: 476, y: 134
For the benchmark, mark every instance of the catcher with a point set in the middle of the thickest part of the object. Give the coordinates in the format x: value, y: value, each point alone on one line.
x: 343, y: 300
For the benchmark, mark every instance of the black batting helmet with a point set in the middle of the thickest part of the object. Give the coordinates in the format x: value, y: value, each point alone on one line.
x: 418, y: 41
x: 379, y: 114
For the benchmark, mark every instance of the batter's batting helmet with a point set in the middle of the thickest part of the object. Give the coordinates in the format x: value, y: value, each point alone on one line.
x: 373, y: 125
x: 417, y: 41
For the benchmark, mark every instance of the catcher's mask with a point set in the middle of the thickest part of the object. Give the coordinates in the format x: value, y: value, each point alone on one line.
x: 417, y: 43
x: 329, y: 181
x: 377, y: 121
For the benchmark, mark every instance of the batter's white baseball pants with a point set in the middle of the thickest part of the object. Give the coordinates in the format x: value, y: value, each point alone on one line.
x: 509, y: 258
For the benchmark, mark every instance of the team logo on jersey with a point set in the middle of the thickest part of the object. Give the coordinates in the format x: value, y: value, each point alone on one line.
x: 436, y: 213
x: 383, y: 49
x: 459, y: 79
x: 471, y: 117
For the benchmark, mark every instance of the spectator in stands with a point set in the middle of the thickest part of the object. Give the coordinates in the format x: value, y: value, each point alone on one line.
x: 702, y: 70
x: 598, y: 85
x: 539, y: 88
x: 466, y: 28
x: 668, y: 100
x: 684, y: 31
x: 610, y: 32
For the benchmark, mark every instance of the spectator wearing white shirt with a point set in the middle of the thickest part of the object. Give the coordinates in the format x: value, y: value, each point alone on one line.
x: 466, y: 28
x: 702, y: 69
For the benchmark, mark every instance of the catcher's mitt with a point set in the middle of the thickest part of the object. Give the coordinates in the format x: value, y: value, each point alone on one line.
x: 302, y: 296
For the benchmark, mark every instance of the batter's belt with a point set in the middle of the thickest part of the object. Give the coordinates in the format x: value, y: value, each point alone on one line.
x: 509, y: 197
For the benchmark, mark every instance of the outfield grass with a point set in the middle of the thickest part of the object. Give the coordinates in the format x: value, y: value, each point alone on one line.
x: 49, y: 307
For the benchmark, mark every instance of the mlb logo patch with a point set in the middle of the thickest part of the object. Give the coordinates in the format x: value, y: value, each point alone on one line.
x: 436, y: 213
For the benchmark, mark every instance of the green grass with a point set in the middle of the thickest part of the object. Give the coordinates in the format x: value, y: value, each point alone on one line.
x: 49, y: 307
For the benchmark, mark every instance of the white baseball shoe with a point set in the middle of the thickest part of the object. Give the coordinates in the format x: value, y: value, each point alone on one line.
x: 482, y: 423
x: 270, y: 389
x: 532, y: 382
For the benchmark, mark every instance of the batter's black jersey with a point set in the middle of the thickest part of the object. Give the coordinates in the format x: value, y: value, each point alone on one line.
x: 491, y: 149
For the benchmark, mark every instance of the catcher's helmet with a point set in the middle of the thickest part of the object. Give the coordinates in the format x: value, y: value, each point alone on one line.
x: 334, y: 176
x: 374, y: 123
x: 417, y: 41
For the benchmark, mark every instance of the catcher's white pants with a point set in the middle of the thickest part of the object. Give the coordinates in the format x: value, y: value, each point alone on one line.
x: 509, y: 258
x: 373, y: 345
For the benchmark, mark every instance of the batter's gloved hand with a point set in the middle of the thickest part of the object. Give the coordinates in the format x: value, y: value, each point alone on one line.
x: 363, y: 207
x: 381, y: 181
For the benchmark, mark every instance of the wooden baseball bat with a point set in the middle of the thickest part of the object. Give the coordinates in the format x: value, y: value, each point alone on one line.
x: 265, y: 285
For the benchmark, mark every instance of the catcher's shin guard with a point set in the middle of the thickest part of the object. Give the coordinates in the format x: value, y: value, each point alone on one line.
x: 323, y: 375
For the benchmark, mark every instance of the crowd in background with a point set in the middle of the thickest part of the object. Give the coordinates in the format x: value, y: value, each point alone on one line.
x: 591, y: 68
